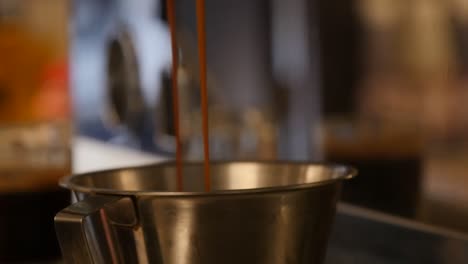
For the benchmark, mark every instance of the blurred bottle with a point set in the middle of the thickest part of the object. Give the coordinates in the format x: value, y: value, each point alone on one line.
x: 34, y: 126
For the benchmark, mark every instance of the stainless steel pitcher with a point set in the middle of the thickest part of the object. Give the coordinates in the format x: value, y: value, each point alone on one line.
x: 257, y: 212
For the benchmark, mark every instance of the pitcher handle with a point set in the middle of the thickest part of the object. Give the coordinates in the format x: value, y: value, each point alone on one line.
x: 84, y: 229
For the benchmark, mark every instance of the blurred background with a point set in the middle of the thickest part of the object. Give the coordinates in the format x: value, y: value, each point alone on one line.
x: 378, y: 84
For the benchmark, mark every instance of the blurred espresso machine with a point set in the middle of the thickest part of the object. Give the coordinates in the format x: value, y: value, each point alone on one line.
x: 262, y: 75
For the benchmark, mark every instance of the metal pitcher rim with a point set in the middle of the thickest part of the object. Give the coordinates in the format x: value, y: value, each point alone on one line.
x: 345, y: 173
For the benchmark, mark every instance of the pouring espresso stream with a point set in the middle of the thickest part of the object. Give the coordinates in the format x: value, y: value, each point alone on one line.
x: 200, y: 11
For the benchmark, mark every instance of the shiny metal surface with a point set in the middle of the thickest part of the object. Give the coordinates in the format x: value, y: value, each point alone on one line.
x: 256, y: 213
x: 364, y: 236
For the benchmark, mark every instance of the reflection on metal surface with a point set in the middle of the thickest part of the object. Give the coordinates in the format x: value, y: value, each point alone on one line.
x: 362, y: 236
x: 289, y: 222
